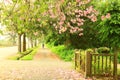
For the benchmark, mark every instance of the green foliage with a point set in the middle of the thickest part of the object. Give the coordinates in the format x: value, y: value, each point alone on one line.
x: 88, y: 40
x: 109, y: 29
x: 27, y: 57
x: 103, y: 50
x: 54, y: 38
x: 63, y: 52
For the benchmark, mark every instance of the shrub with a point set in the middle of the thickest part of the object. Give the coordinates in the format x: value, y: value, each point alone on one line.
x: 103, y: 50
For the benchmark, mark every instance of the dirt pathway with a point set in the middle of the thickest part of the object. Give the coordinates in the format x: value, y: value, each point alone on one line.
x: 7, y: 51
x: 45, y: 66
x: 45, y: 54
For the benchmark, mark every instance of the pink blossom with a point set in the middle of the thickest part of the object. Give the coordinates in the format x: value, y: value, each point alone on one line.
x: 81, y: 14
x: 102, y: 17
x: 73, y: 20
x: 90, y: 9
x: 85, y: 13
x: 77, y: 0
x: 108, y: 15
x: 61, y: 23
x: 78, y: 24
x: 63, y: 29
x: 80, y: 34
x: 94, y: 19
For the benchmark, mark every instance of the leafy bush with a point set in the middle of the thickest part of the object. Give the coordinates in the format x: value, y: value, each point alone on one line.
x: 103, y: 50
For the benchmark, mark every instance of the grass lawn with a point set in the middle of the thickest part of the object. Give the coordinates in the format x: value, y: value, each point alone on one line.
x: 26, y: 57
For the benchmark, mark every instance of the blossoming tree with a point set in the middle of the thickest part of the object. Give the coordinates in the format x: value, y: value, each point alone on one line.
x: 72, y: 15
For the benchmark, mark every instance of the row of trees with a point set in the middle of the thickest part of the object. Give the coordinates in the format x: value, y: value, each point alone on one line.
x: 76, y: 23
x: 24, y: 18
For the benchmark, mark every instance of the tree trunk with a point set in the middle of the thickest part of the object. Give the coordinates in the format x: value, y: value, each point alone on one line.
x: 31, y: 41
x: 24, y: 42
x: 116, y: 51
x: 19, y: 42
x: 35, y: 43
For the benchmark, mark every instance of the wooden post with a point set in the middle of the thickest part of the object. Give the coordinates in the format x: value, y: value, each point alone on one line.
x: 76, y: 58
x: 88, y: 64
x: 115, y: 66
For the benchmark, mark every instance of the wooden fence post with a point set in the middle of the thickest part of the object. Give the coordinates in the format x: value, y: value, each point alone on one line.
x: 76, y: 58
x: 88, y: 64
x: 115, y: 66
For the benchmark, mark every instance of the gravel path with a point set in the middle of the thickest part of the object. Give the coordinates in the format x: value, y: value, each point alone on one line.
x: 45, y: 66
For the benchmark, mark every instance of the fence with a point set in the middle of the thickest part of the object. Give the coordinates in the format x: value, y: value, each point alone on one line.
x: 92, y: 64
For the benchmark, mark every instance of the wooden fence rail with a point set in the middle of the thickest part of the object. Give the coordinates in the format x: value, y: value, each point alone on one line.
x: 93, y: 64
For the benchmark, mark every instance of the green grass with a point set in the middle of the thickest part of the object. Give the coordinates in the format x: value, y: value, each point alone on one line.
x: 26, y: 57
x: 30, y: 55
